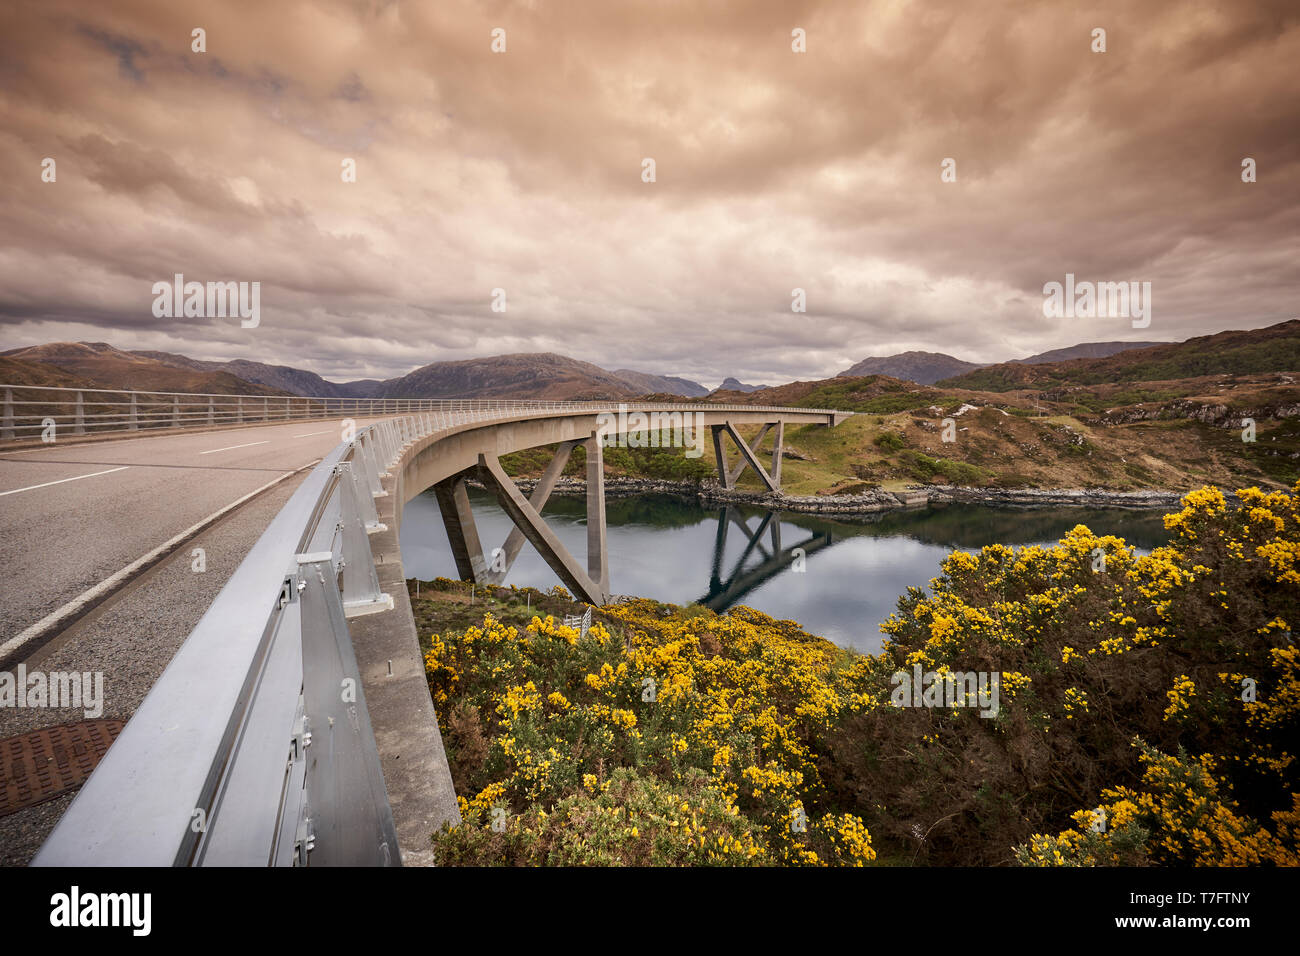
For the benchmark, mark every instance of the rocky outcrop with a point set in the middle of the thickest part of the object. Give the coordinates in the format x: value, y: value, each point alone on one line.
x: 1217, y: 414
x: 1059, y: 496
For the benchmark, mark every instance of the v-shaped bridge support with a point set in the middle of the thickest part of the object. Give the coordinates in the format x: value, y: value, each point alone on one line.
x: 749, y: 455
x: 590, y: 585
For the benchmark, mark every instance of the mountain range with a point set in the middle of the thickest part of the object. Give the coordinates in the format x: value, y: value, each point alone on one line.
x: 100, y: 365
x: 926, y: 368
x: 548, y: 375
x: 544, y: 375
x: 295, y: 381
x: 1234, y: 352
x: 1273, y: 351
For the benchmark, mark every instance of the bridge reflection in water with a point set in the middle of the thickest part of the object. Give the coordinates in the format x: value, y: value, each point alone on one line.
x: 745, y: 575
x: 662, y: 546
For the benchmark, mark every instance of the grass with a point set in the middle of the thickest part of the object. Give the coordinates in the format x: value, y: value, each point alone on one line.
x: 1005, y: 443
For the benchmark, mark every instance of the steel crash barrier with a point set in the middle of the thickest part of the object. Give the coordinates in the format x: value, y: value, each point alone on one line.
x: 32, y: 413
x: 255, y: 747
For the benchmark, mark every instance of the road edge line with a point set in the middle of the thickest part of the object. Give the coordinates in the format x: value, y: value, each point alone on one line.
x: 18, y: 647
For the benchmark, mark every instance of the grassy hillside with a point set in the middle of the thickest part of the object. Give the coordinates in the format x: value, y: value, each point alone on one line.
x: 1227, y: 353
x: 1168, y: 417
x: 1165, y: 435
x: 111, y: 368
x: 15, y: 371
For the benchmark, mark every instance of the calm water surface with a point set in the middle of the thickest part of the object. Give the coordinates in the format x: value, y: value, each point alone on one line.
x: 677, y: 551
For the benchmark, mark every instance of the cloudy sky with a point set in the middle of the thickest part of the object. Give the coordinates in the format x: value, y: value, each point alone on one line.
x: 522, y: 170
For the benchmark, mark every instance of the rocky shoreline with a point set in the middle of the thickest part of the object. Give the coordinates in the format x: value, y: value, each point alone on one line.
x: 873, y: 501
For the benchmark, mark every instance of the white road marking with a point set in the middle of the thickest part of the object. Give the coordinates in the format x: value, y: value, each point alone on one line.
x: 306, y: 434
x: 62, y: 480
x: 250, y: 444
x: 111, y: 583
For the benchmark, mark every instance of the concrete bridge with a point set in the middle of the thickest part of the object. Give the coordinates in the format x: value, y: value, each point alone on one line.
x: 244, y: 750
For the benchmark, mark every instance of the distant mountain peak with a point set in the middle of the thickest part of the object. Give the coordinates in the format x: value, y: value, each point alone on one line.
x: 543, y: 375
x: 927, y: 368
x: 730, y: 384
x: 924, y: 368
x: 1084, y: 350
x: 651, y: 384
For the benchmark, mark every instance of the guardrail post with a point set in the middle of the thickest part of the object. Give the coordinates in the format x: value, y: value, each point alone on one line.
x: 361, y: 593
x: 386, y: 451
x: 7, y: 426
x: 361, y: 482
x: 176, y: 411
x: 350, y: 821
x: 266, y: 409
x: 369, y: 466
x: 239, y: 410
x: 212, y: 412
x: 390, y: 436
x: 134, y: 420
x: 79, y: 421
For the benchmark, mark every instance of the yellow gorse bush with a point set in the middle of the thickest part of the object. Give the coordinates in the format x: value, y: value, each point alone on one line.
x: 1179, y: 816
x: 1188, y: 646
x: 730, y: 704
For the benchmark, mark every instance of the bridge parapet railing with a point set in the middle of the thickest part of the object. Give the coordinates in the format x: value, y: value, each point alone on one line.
x: 254, y: 747
x: 33, y: 412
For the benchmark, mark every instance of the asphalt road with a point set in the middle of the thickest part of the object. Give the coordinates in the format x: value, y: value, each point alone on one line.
x: 131, y: 638
x: 73, y: 515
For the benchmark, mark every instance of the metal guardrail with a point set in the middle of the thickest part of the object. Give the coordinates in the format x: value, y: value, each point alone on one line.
x: 254, y: 747
x: 28, y: 411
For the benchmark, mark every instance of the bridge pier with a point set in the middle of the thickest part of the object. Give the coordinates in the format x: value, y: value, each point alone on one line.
x: 749, y: 455
x: 462, y: 532
x: 590, y: 585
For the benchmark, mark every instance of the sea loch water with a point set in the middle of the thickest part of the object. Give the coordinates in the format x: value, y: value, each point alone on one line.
x: 676, y: 550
